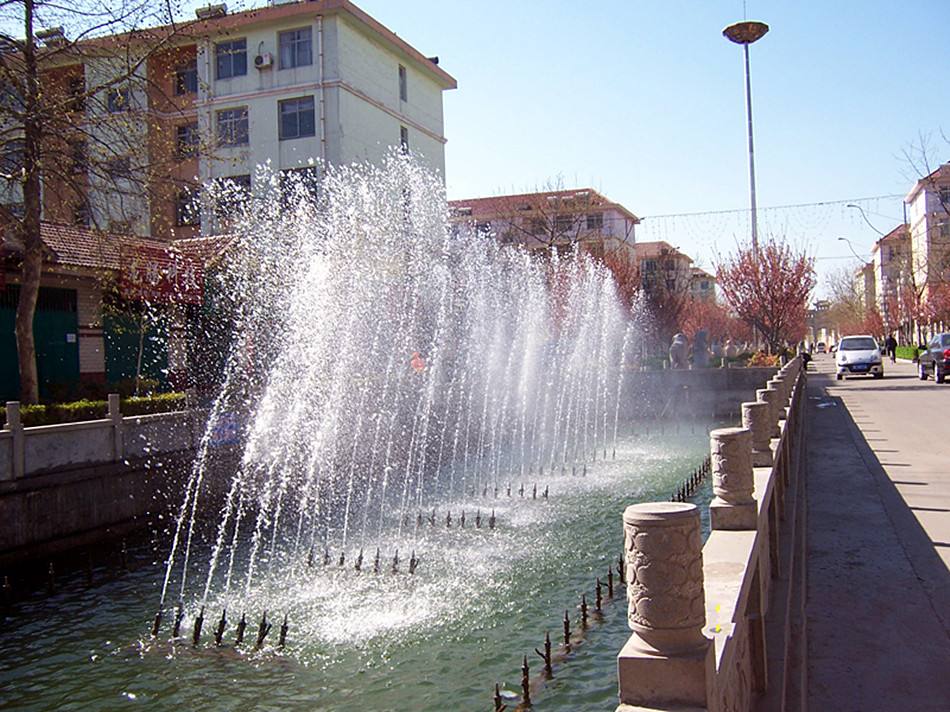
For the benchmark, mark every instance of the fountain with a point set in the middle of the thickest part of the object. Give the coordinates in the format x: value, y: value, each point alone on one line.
x: 383, y: 365
x: 442, y: 415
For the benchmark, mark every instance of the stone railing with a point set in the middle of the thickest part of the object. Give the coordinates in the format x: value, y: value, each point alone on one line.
x: 698, y: 611
x: 48, y: 448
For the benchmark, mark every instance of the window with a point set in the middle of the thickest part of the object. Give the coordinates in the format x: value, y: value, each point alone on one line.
x: 944, y: 229
x: 16, y: 210
x: 231, y: 193
x: 297, y: 183
x: 404, y: 139
x: 945, y: 196
x: 186, y: 79
x: 403, y: 88
x: 563, y: 223
x: 119, y: 167
x: 233, y: 127
x: 186, y: 140
x: 230, y: 59
x: 539, y: 226
x: 187, y: 208
x: 77, y: 94
x: 295, y: 48
x: 13, y: 156
x: 81, y: 214
x: 595, y: 221
x: 77, y: 152
x: 649, y: 265
x: 296, y: 118
x: 118, y: 99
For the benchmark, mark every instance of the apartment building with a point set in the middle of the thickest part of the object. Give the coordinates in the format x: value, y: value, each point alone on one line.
x: 663, y: 268
x: 554, y: 218
x: 928, y: 207
x: 702, y: 285
x: 293, y: 85
x: 891, y: 261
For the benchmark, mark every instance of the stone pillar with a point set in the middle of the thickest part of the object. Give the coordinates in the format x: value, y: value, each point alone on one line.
x: 755, y: 418
x: 667, y: 660
x: 770, y: 396
x: 115, y: 415
x: 733, y: 507
x: 15, y: 426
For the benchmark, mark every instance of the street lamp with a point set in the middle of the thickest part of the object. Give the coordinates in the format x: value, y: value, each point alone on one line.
x: 851, y: 247
x: 861, y: 210
x: 745, y: 33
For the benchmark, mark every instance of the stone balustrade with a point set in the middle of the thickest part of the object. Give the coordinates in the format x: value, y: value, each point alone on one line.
x: 26, y: 451
x: 713, y: 657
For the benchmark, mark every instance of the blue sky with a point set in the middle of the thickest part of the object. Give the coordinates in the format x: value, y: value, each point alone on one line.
x: 644, y: 101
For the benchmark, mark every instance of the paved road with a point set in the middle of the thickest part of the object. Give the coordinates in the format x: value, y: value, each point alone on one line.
x: 878, y: 542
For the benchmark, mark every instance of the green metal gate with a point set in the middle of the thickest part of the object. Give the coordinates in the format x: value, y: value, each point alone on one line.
x: 56, y: 335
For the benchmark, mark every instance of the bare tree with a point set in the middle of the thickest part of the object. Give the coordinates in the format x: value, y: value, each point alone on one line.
x: 77, y: 97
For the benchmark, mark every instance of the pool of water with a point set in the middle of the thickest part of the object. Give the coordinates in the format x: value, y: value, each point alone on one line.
x: 438, y: 640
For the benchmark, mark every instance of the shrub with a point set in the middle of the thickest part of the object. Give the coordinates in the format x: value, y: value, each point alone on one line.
x: 75, y: 411
x: 760, y: 358
x: 908, y: 352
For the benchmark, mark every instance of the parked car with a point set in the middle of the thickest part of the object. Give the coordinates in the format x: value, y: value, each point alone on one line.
x: 821, y: 347
x: 858, y: 355
x: 936, y: 359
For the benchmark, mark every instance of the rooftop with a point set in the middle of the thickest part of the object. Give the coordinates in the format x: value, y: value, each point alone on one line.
x: 576, y: 199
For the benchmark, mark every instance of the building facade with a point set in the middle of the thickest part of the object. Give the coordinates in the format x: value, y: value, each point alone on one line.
x: 556, y: 219
x: 702, y: 285
x: 928, y: 208
x: 293, y: 86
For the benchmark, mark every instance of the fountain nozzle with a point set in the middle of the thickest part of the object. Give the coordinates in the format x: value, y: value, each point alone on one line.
x: 222, y: 624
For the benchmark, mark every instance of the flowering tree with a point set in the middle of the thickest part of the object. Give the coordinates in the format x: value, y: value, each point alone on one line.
x: 769, y: 289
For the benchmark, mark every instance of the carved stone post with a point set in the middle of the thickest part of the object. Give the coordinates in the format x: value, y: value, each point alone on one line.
x: 733, y: 507
x: 18, y: 447
x: 755, y: 418
x: 115, y: 415
x: 770, y: 396
x: 667, y: 660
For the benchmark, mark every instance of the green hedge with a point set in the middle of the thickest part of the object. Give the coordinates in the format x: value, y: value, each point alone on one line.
x: 97, y: 409
x: 908, y: 352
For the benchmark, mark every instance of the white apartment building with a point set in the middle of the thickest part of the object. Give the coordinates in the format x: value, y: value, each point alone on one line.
x: 928, y: 206
x: 292, y: 85
x: 300, y: 82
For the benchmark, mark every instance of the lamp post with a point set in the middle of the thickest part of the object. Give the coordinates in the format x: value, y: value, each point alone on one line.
x: 861, y: 210
x: 745, y: 33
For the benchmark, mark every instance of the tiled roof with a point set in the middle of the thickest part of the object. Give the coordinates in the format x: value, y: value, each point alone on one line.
x: 76, y: 246
x: 896, y: 235
x: 655, y: 249
x: 509, y: 205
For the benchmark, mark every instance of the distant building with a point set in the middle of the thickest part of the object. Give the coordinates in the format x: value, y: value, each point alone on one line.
x: 929, y: 223
x: 893, y: 276
x: 702, y: 285
x: 556, y: 219
x: 663, y: 267
x: 865, y: 286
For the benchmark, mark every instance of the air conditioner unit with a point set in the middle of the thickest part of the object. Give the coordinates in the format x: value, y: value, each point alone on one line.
x: 264, y: 60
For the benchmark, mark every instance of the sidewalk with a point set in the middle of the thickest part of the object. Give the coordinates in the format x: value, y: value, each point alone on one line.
x: 877, y: 542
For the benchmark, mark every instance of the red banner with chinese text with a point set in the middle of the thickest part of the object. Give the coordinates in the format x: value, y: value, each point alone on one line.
x: 158, y: 274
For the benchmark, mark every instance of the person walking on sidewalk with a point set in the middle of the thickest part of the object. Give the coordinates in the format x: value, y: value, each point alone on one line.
x: 891, y: 345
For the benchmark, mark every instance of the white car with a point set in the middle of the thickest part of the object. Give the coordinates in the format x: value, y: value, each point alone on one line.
x: 858, y: 355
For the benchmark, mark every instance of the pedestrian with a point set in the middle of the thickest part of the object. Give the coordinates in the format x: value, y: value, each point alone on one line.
x: 891, y: 345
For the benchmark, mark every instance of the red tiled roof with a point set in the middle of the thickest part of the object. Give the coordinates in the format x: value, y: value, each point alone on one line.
x: 76, y: 246
x: 655, y: 249
x: 507, y: 205
x: 941, y: 175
